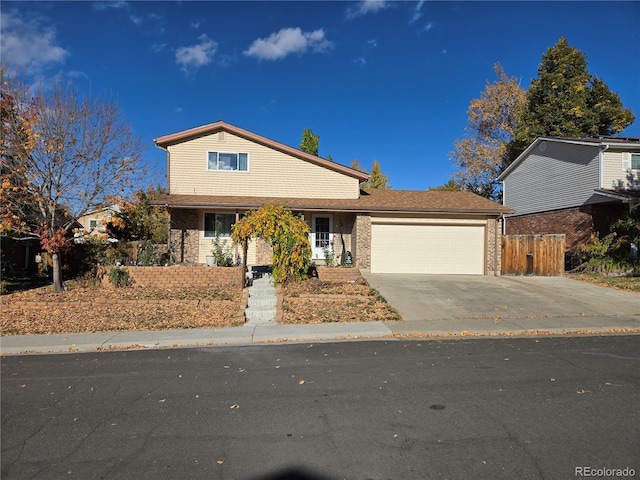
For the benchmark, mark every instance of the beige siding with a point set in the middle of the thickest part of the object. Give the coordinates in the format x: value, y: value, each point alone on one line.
x: 101, y: 217
x: 614, y: 176
x: 271, y: 173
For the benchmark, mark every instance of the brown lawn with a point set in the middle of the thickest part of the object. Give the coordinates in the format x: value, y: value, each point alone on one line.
x: 94, y: 309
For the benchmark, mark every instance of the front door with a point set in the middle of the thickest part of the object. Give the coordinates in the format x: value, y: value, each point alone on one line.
x: 321, y: 232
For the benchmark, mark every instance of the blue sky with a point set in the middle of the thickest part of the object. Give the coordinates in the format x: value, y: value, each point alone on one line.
x: 385, y: 80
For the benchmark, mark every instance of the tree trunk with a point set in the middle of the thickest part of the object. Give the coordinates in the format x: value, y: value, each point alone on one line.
x: 57, y: 271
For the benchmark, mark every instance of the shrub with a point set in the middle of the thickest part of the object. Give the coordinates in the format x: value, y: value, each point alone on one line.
x: 222, y: 251
x: 614, y: 253
x: 119, y: 277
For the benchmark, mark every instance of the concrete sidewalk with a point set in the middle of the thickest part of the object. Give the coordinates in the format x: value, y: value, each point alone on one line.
x: 247, y: 335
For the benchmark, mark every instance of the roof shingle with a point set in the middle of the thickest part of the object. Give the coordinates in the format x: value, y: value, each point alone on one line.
x: 381, y: 201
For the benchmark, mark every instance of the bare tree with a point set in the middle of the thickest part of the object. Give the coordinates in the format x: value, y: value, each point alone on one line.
x: 61, y: 157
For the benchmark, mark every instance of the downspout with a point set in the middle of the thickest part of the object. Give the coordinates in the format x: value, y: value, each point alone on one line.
x: 600, y: 164
x: 504, y: 218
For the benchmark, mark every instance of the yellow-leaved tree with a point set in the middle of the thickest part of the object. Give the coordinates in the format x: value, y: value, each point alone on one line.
x: 287, y: 234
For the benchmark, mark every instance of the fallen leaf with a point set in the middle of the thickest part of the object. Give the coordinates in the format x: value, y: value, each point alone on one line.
x: 162, y: 401
x: 301, y: 382
x: 234, y: 406
x: 219, y: 462
x: 582, y: 391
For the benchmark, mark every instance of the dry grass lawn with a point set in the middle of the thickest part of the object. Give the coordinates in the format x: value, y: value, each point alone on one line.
x: 84, y: 309
x: 313, y: 301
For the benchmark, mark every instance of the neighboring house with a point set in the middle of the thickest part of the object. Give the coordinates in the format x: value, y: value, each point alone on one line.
x: 578, y: 187
x: 217, y: 172
x: 95, y: 222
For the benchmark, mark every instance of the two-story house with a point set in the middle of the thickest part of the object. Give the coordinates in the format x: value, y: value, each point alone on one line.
x: 95, y: 221
x: 578, y: 187
x: 217, y: 172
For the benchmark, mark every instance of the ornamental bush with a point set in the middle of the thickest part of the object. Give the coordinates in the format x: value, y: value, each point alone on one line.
x: 288, y: 235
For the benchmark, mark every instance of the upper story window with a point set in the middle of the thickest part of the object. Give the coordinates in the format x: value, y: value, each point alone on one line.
x: 228, y: 161
x: 630, y: 161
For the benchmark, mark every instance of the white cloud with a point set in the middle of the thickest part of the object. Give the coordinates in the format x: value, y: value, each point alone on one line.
x: 417, y: 12
x: 366, y: 6
x: 361, y: 62
x: 287, y: 41
x: 29, y: 44
x: 110, y: 4
x: 196, y: 55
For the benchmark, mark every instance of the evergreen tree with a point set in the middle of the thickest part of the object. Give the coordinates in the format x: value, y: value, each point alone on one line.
x: 567, y: 101
x: 310, y: 142
x: 377, y: 179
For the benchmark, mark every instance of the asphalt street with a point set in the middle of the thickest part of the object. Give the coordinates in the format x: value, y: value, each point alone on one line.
x: 526, y: 408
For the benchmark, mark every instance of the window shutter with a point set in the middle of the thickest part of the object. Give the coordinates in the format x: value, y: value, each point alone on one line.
x: 626, y: 161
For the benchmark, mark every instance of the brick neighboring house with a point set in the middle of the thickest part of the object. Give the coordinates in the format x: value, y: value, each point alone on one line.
x: 217, y: 172
x: 578, y: 187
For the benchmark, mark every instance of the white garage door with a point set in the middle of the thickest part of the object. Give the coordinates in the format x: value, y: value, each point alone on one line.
x: 444, y: 249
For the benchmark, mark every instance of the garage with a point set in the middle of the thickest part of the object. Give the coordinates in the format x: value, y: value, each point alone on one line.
x: 398, y: 246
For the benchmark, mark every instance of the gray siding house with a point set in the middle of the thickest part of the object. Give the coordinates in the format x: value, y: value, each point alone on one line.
x: 578, y: 187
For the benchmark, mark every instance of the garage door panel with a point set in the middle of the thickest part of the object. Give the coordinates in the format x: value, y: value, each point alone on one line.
x: 437, y: 249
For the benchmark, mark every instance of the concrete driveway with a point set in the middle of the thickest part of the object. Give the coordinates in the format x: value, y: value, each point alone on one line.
x: 452, y: 297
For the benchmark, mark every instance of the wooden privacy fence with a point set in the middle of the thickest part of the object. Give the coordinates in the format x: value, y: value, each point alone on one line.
x: 533, y: 255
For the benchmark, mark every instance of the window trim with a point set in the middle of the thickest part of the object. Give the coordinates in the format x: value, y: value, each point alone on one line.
x: 218, y: 153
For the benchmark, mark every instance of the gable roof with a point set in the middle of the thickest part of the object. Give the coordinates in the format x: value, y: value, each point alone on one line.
x: 211, y: 128
x: 601, y: 142
x: 373, y: 201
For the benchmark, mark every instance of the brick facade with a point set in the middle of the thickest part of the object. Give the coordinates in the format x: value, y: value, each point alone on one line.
x: 264, y: 252
x: 579, y: 224
x: 362, y: 254
x: 494, y: 247
x: 183, y: 235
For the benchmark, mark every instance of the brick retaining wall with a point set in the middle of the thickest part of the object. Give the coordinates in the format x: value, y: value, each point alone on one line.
x: 339, y: 274
x: 183, y: 277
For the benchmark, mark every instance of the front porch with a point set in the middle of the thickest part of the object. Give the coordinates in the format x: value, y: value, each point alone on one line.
x: 333, y: 236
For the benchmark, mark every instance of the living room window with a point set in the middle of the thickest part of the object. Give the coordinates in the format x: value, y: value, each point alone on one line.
x: 218, y: 222
x: 635, y: 161
x: 228, y: 161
